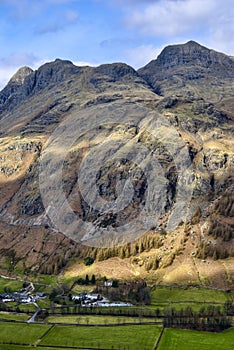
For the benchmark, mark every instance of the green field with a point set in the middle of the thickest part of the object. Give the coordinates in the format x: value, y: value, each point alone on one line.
x: 124, y: 336
x: 23, y: 347
x: 90, y: 319
x: 15, y: 317
x: 46, y: 280
x: 21, y: 332
x: 182, y: 295
x: 11, y: 285
x: 128, y: 337
x: 140, y: 337
x: 179, y: 305
x: 175, y: 339
x: 28, y: 308
x: 43, y: 303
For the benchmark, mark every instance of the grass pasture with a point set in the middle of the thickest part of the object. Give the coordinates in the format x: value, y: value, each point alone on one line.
x: 186, y: 295
x: 13, y: 317
x: 8, y: 284
x: 128, y: 337
x: 176, y: 339
x: 92, y: 319
x: 46, y: 280
x: 21, y: 333
x: 136, y: 337
x: 23, y: 347
x: 28, y: 308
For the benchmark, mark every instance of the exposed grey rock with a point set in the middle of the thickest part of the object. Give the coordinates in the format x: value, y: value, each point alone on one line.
x: 190, y: 67
x: 19, y: 77
x: 191, y: 54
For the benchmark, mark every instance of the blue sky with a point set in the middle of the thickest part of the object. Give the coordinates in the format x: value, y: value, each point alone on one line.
x: 33, y: 32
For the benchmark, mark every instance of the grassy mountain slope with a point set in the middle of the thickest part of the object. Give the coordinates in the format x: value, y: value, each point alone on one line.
x: 191, y: 87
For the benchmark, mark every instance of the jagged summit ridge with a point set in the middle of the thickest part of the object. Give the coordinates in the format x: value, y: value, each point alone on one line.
x: 27, y: 82
x: 175, y: 67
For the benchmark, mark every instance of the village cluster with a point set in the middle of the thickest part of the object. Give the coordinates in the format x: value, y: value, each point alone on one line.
x: 96, y: 300
x: 28, y: 296
x: 21, y: 297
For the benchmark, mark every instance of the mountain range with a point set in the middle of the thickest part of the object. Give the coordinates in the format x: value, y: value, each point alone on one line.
x: 169, y: 126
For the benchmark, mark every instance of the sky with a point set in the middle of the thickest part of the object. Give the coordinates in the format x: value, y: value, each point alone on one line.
x: 92, y: 32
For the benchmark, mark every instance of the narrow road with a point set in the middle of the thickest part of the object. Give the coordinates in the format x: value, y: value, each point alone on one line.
x: 32, y: 319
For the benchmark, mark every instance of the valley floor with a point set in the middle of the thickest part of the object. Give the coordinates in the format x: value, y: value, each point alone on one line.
x: 64, y: 324
x: 19, y: 336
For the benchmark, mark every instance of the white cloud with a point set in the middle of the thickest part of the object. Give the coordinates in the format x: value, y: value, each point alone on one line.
x: 170, y: 18
x: 222, y: 34
x: 139, y: 56
x: 84, y: 63
x: 209, y: 21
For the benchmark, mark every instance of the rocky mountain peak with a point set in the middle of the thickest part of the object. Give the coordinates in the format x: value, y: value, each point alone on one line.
x: 57, y: 65
x: 20, y: 75
x: 53, y: 73
x: 190, y: 68
x: 26, y: 82
x: 191, y: 54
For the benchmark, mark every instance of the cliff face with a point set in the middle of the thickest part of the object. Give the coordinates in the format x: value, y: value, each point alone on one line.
x: 158, y: 141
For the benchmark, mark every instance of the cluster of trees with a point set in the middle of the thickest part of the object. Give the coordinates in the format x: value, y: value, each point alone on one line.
x: 207, y: 249
x: 136, y: 292
x: 77, y: 309
x: 89, y: 254
x: 10, y: 259
x: 152, y: 263
x: 58, y: 292
x: 88, y: 260
x: 57, y: 261
x: 86, y: 280
x: 225, y: 206
x: 222, y: 230
x: 145, y: 243
x: 207, y: 319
